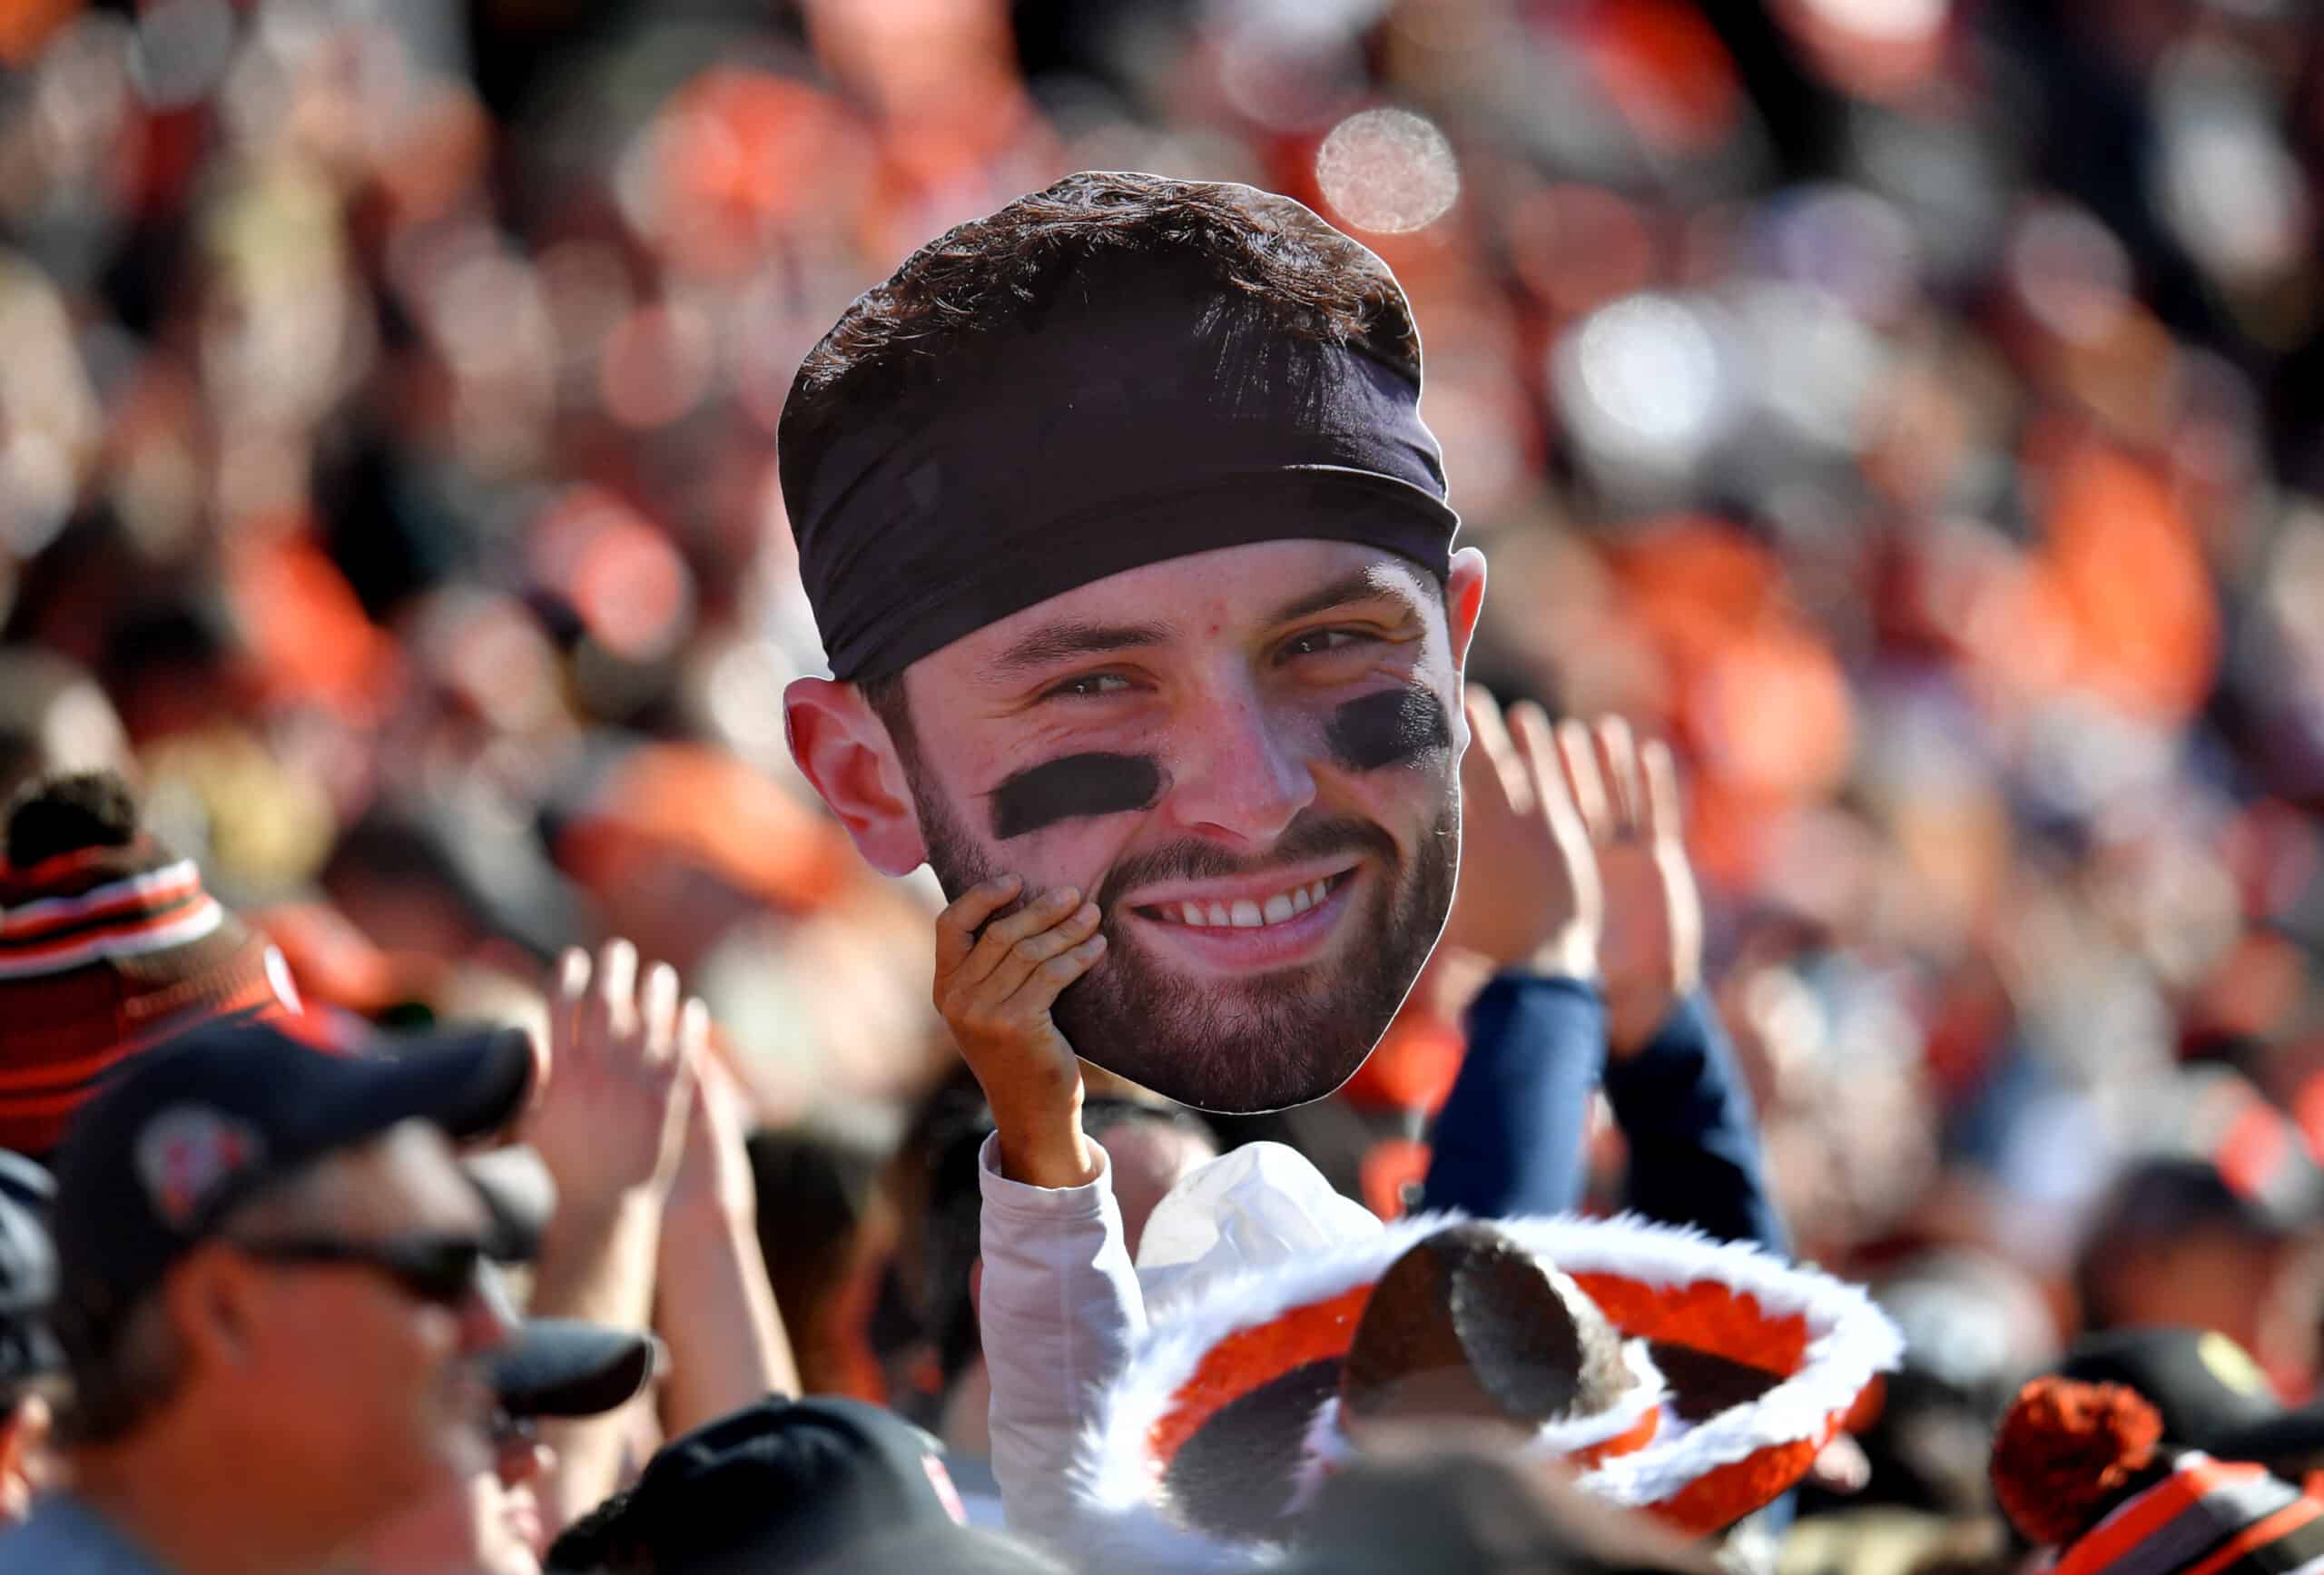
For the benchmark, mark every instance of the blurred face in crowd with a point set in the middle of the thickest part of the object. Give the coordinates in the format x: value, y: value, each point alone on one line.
x: 371, y: 1386
x: 488, y: 1522
x: 1245, y: 757
x: 2264, y: 1291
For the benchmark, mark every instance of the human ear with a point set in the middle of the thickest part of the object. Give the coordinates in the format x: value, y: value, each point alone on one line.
x: 844, y: 748
x: 1464, y: 598
x: 206, y: 1302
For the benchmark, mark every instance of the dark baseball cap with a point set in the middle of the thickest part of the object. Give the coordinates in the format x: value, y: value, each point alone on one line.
x: 27, y: 1274
x: 2210, y: 1393
x: 182, y: 1135
x: 776, y: 1485
x: 569, y: 1367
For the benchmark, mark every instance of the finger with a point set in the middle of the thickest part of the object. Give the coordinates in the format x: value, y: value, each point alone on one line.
x: 1048, y: 981
x: 1491, y: 750
x: 686, y: 1086
x: 1581, y: 774
x: 1537, y: 742
x: 1666, y: 816
x: 695, y: 1050
x: 956, y: 926
x: 614, y: 1003
x: 693, y: 1028
x: 1029, y: 954
x: 565, y: 1008
x: 1003, y: 934
x: 658, y: 1006
x: 1618, y: 756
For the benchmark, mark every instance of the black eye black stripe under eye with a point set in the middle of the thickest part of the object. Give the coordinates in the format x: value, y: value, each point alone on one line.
x: 1390, y: 728
x: 1073, y: 787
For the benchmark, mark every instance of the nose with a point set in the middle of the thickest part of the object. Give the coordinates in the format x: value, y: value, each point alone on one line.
x: 1239, y: 773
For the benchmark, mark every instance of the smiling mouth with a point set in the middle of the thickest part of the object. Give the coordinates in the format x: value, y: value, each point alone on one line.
x: 1247, y: 912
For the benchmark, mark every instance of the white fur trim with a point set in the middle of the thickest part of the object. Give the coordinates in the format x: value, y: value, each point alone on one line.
x: 1850, y: 1341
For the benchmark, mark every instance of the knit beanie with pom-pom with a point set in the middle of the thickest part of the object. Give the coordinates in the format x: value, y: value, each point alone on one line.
x: 2080, y: 1467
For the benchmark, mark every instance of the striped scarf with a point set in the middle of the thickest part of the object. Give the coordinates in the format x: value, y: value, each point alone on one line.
x: 103, y: 953
x: 2206, y: 1517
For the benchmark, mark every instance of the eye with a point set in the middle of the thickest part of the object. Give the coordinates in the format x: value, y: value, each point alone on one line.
x: 1322, y: 642
x: 1087, y: 687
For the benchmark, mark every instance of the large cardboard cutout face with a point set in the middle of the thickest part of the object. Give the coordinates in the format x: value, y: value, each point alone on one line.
x: 1248, y: 757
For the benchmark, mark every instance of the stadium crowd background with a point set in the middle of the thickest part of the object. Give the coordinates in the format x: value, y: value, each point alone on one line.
x: 1909, y: 408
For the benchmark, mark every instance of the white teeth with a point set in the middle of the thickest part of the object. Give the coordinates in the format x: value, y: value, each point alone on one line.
x: 1247, y: 914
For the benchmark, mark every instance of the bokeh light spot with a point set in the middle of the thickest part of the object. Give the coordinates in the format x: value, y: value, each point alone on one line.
x: 1388, y: 171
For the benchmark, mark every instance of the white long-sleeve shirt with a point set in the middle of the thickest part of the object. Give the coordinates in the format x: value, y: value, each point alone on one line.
x: 1059, y: 1310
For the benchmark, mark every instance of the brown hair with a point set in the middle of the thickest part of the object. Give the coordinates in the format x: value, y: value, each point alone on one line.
x: 1266, y: 255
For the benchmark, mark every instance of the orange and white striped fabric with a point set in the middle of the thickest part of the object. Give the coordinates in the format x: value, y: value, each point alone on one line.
x: 103, y: 953
x: 2206, y: 1517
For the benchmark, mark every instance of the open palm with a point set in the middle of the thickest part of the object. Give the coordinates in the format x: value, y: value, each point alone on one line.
x: 1650, y: 954
x: 1573, y: 862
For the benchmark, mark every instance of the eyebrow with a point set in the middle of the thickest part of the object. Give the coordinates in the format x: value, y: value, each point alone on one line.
x: 1056, y: 643
x: 1356, y: 585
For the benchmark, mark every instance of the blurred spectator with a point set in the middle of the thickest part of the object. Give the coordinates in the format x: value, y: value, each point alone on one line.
x: 2217, y: 1226
x: 109, y: 943
x: 781, y: 1484
x: 2210, y: 1394
x: 270, y: 1299
x: 2070, y: 1455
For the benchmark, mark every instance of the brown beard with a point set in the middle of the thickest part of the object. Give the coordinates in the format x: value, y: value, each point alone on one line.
x: 1239, y: 1047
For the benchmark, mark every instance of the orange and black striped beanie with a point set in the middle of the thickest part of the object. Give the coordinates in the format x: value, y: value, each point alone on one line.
x: 2080, y: 1467
x: 104, y: 951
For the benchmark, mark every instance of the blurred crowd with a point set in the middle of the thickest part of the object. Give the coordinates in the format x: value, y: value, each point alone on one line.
x: 1910, y: 409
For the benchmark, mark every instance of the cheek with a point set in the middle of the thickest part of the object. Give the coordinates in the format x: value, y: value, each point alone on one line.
x: 1075, y: 854
x: 431, y: 1336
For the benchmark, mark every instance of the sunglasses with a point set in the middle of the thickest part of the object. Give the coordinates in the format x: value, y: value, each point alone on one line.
x: 442, y: 1269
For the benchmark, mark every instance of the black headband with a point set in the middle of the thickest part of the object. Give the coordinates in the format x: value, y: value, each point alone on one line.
x: 1117, y: 428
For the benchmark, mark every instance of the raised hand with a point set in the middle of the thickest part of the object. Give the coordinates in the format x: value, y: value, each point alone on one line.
x: 994, y: 983
x: 1651, y: 955
x: 1529, y: 893
x: 714, y: 1172
x: 611, y: 1127
x: 713, y: 1304
x: 612, y: 1119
